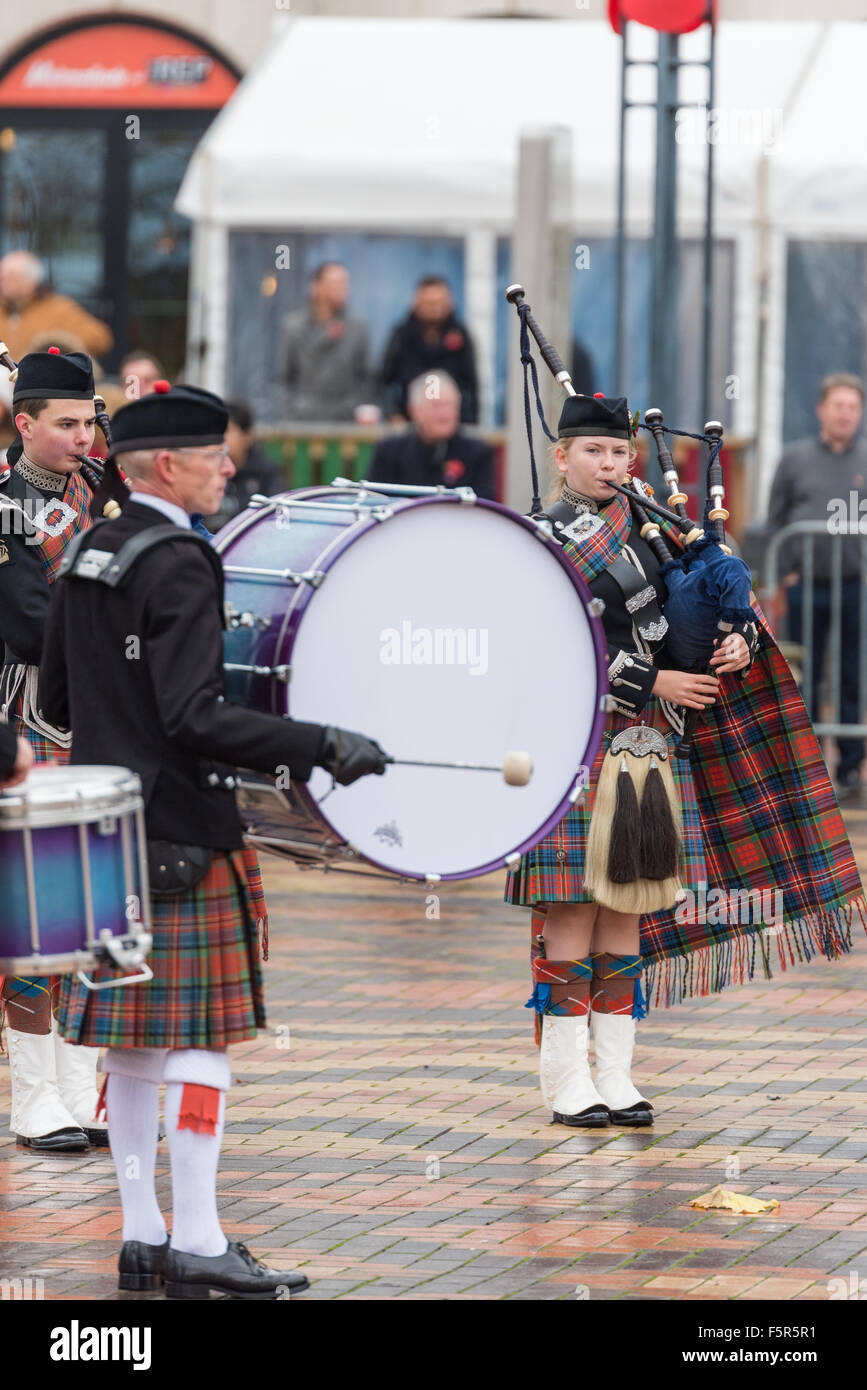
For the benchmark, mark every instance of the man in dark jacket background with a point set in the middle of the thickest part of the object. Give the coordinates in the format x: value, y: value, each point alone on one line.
x: 435, y: 452
x: 815, y: 481
x: 431, y: 339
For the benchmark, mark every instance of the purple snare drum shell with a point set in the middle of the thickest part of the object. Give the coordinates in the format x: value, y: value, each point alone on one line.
x: 71, y: 850
x: 277, y: 539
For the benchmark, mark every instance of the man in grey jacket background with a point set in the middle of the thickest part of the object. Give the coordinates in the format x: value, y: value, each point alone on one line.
x: 325, y: 363
x: 814, y: 482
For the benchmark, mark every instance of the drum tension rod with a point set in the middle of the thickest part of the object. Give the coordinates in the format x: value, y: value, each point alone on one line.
x: 280, y: 673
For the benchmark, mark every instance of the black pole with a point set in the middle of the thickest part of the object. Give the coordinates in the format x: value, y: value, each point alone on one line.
x: 663, y: 307
x: 619, y: 383
x: 707, y: 408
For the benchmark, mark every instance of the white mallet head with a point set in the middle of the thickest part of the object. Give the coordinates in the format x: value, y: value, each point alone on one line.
x: 517, y: 769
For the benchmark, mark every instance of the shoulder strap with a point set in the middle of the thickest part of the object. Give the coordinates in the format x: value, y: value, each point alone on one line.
x: 114, y: 570
x: 70, y: 554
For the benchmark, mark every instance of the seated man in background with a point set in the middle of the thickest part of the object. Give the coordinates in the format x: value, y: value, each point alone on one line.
x: 434, y: 451
x: 254, y: 471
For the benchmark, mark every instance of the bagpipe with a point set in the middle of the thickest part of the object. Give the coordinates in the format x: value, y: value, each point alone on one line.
x: 92, y: 470
x: 707, y: 585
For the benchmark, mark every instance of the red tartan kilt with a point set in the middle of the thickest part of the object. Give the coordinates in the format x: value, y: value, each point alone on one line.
x: 207, y: 985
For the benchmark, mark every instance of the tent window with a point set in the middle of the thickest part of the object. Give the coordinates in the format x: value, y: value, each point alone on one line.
x: 826, y: 324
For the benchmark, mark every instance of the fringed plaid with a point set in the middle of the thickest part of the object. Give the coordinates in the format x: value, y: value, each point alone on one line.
x: 764, y: 845
x: 207, y: 985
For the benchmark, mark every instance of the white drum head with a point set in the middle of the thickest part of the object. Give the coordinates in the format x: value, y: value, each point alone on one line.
x: 71, y: 793
x: 448, y: 633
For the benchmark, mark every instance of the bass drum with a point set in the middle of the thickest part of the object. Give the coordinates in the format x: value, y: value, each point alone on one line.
x: 449, y: 629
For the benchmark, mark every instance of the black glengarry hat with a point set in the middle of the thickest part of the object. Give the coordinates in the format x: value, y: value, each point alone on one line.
x: 54, y: 375
x: 606, y: 416
x: 171, y: 418
x: 177, y: 417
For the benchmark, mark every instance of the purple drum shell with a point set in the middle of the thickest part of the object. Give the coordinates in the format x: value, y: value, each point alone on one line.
x: 60, y: 895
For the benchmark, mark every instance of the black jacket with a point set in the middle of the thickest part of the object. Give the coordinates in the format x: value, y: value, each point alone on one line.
x: 24, y: 587
x: 409, y: 354
x: 137, y: 673
x: 403, y: 458
x: 8, y: 749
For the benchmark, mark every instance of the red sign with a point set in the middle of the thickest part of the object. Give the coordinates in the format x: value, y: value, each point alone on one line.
x: 669, y: 16
x: 128, y: 65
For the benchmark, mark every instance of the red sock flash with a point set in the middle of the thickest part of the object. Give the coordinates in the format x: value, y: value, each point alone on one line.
x: 200, y: 1109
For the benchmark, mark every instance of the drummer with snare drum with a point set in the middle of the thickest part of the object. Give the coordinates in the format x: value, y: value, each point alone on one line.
x: 44, y: 501
x: 133, y: 660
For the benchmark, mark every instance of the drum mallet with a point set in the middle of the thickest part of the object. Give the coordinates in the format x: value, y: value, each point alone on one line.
x: 516, y: 768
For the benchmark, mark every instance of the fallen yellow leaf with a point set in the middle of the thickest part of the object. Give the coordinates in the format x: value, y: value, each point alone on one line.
x: 722, y: 1197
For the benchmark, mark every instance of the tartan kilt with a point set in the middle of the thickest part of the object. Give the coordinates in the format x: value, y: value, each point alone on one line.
x: 45, y: 750
x: 553, y: 872
x: 207, y: 986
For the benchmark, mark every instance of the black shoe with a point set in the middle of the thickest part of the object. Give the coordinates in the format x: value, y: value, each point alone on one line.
x: 236, y: 1273
x: 640, y: 1114
x: 141, y: 1266
x: 97, y: 1138
x: 59, y: 1141
x: 594, y: 1117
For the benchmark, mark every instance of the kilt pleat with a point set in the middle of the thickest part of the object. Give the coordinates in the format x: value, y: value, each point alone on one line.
x: 207, y: 986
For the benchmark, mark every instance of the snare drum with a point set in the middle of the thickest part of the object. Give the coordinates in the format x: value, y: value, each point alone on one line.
x: 73, y: 873
x: 448, y: 628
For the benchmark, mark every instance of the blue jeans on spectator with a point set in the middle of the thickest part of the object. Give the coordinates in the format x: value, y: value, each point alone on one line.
x: 851, y: 749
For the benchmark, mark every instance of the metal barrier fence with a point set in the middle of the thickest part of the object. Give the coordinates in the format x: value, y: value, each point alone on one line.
x: 817, y: 591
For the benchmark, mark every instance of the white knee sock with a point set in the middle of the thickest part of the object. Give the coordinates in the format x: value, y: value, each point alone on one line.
x: 133, y: 1128
x: 196, y: 1226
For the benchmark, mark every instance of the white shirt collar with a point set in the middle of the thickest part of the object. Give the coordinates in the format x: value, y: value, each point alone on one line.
x: 169, y: 509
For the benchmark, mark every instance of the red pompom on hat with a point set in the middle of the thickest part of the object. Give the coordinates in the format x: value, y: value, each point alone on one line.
x: 161, y: 387
x: 599, y: 395
x: 55, y: 350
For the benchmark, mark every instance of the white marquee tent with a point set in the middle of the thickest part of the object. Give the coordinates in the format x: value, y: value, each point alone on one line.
x: 411, y: 125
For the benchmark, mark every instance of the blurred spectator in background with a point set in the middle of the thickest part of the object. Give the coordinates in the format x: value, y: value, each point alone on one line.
x: 435, y: 452
x: 138, y: 372
x: 813, y: 482
x: 33, y: 316
x: 254, y: 471
x: 8, y: 431
x: 325, y: 365
x: 429, y: 340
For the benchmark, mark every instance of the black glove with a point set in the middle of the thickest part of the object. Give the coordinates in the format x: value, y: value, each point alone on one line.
x: 348, y: 756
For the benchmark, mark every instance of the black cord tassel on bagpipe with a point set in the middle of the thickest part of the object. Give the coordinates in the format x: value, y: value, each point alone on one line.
x: 707, y: 585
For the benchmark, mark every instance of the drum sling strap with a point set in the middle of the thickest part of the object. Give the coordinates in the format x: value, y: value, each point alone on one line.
x: 173, y: 869
x: 114, y: 570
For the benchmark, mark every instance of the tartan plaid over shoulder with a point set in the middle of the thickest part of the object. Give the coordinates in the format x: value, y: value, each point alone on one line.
x: 778, y: 881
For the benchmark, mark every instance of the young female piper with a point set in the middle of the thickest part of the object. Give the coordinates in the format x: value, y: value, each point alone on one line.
x: 620, y: 888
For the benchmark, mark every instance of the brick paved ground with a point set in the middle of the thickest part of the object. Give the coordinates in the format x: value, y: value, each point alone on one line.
x: 386, y: 1135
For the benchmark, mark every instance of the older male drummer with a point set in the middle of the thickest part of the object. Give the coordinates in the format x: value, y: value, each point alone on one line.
x: 133, y: 662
